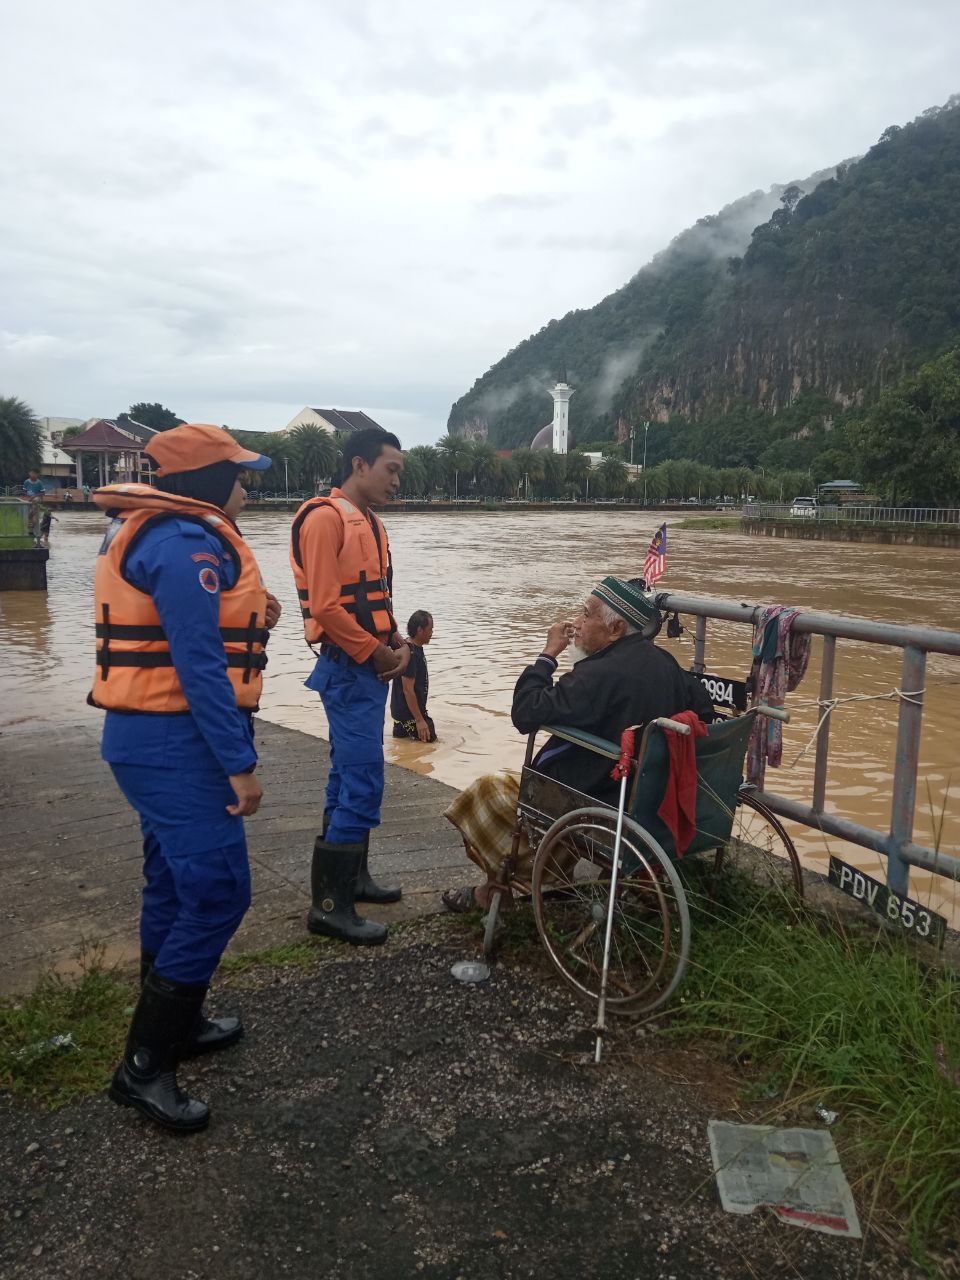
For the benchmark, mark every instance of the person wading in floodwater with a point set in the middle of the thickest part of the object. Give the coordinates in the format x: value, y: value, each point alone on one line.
x: 408, y: 699
x: 341, y: 563
x: 181, y: 621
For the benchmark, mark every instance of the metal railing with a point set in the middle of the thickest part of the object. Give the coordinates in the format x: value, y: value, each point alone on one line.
x: 18, y: 520
x: 853, y: 513
x: 896, y: 843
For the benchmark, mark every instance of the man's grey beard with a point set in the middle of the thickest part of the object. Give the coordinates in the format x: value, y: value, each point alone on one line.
x: 576, y: 653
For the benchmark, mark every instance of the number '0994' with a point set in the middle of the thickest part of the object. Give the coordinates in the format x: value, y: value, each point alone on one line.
x: 719, y: 691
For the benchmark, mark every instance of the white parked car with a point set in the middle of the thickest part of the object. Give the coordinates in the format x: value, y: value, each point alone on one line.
x: 805, y: 507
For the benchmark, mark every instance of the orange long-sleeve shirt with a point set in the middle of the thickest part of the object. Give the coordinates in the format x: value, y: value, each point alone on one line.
x: 321, y: 540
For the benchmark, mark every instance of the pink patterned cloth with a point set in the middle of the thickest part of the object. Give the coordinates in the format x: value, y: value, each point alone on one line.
x: 780, y: 660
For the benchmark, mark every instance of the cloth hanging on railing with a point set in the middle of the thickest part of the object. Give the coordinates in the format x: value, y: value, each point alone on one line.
x: 780, y: 659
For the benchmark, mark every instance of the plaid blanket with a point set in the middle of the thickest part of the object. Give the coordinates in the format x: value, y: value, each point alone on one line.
x: 485, y: 814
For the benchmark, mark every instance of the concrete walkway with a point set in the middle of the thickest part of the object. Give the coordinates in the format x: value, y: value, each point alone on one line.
x: 70, y: 862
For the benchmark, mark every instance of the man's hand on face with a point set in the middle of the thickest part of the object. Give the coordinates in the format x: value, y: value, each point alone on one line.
x: 558, y: 637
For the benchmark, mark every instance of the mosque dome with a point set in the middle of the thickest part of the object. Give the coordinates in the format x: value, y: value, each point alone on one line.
x: 544, y: 439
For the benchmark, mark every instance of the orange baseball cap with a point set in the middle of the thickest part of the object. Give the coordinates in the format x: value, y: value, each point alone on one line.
x: 196, y: 445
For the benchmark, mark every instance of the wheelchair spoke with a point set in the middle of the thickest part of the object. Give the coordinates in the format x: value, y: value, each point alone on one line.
x: 571, y: 896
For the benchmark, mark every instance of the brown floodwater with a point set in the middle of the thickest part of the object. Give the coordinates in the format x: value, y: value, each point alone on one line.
x: 495, y: 581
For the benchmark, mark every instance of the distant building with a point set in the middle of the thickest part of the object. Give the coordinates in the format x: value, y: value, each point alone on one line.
x: 555, y: 435
x: 340, y: 422
x: 118, y: 445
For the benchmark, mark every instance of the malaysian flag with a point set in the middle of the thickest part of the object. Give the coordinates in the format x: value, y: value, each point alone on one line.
x: 656, y: 560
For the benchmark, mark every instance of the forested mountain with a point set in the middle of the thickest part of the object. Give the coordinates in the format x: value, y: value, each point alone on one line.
x: 811, y: 298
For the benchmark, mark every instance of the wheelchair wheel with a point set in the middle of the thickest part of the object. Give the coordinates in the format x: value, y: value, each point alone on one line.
x: 651, y: 927
x: 760, y: 847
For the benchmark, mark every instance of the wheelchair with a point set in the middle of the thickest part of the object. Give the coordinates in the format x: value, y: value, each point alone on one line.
x: 573, y: 839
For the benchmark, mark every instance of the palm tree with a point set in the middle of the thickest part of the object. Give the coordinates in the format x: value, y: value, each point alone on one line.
x: 457, y: 457
x: 429, y: 459
x: 614, y: 474
x: 530, y: 467
x: 413, y: 482
x: 316, y: 452
x: 554, y: 473
x: 578, y: 468
x: 19, y: 440
x: 486, y: 465
x: 656, y: 484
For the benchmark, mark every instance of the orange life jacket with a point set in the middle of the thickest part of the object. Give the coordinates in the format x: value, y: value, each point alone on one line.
x: 135, y: 670
x: 364, y: 565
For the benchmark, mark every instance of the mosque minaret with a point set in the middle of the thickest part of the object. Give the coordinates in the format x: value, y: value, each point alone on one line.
x: 556, y: 435
x: 561, y: 415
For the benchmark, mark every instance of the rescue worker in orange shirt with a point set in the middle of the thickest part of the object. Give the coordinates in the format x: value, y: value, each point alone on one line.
x: 340, y: 555
x: 181, y: 623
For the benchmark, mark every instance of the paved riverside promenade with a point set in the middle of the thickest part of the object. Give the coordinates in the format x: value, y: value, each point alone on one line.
x: 70, y: 859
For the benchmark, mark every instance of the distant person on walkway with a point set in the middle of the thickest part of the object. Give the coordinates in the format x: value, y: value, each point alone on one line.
x: 620, y: 678
x: 181, y: 620
x: 408, y: 698
x: 46, y: 519
x: 340, y: 555
x: 86, y: 493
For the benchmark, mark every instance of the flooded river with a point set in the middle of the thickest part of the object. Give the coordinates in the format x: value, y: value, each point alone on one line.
x: 495, y: 581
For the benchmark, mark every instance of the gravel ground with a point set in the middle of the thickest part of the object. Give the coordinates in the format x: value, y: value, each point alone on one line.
x: 382, y: 1120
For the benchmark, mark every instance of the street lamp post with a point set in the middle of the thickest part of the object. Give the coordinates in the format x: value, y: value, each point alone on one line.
x: 646, y: 428
x: 286, y: 478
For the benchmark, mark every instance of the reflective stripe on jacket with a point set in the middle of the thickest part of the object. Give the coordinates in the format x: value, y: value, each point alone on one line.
x: 363, y: 566
x: 135, y: 670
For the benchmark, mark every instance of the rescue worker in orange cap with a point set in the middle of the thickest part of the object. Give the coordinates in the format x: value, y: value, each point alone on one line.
x: 181, y: 622
x: 340, y: 557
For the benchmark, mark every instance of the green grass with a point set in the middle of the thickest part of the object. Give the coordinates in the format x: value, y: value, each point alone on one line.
x: 93, y: 1009
x: 288, y: 955
x: 848, y: 1015
x: 704, y: 524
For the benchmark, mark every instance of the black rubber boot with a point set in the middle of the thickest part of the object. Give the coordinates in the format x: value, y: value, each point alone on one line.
x: 146, y: 1078
x: 333, y: 881
x: 210, y: 1034
x: 367, y: 888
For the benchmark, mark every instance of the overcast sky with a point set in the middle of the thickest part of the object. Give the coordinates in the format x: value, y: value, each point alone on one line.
x: 242, y: 208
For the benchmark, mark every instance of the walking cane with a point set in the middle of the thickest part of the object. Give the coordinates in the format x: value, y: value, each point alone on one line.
x: 620, y: 770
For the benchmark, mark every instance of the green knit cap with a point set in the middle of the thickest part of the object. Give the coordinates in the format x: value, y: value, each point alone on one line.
x: 629, y: 601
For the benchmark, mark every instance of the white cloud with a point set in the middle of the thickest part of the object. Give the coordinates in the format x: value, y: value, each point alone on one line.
x: 240, y: 209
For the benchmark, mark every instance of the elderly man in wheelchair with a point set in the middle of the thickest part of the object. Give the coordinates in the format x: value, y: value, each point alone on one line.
x: 551, y: 833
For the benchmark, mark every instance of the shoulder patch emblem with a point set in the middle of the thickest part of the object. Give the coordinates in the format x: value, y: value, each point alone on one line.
x: 209, y: 581
x: 210, y: 558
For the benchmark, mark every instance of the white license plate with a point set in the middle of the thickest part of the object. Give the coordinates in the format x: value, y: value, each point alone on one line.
x: 908, y: 915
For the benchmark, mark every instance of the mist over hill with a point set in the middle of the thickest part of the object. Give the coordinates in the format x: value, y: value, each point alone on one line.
x: 821, y: 291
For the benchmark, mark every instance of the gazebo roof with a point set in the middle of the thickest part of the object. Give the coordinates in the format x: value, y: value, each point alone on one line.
x: 107, y: 435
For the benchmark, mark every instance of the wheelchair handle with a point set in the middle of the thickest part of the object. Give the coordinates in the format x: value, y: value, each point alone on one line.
x: 628, y: 740
x: 774, y: 713
x: 674, y: 726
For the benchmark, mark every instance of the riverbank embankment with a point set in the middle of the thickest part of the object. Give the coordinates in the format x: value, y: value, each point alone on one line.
x: 70, y: 869
x: 890, y: 535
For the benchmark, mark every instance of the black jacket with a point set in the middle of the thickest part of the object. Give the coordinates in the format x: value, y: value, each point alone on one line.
x: 629, y: 682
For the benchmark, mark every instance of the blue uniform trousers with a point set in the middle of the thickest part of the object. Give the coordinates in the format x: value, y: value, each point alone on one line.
x: 354, y: 700
x: 195, y: 866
